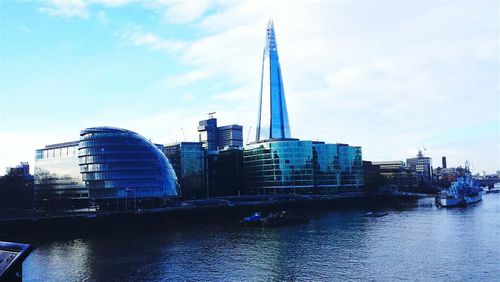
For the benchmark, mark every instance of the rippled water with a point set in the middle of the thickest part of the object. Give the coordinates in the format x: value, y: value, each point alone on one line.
x: 414, y: 242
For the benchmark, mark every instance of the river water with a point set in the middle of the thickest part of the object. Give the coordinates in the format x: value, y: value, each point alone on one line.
x: 415, y: 242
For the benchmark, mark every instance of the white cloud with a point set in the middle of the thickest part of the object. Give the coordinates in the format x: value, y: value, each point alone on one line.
x: 388, y: 76
x: 150, y: 40
x: 66, y: 8
x: 185, y: 11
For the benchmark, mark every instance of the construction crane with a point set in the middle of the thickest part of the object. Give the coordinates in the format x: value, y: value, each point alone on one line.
x: 183, y: 135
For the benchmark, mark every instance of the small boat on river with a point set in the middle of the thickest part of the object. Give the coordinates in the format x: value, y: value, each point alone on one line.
x: 376, y: 214
x: 273, y: 219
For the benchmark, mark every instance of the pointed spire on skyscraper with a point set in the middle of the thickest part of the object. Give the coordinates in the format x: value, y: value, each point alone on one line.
x: 272, y: 121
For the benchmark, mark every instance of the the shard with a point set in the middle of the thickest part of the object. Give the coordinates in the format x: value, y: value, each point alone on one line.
x: 272, y: 120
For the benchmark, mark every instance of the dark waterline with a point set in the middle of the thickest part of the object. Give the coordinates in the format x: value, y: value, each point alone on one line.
x: 416, y: 241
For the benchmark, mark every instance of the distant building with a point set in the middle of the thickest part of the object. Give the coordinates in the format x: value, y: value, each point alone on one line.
x: 443, y: 160
x: 208, y: 133
x: 423, y: 166
x: 397, y: 175
x: 188, y: 161
x: 230, y: 136
x: 103, y: 169
x: 16, y: 188
x: 214, y: 138
x: 22, y: 170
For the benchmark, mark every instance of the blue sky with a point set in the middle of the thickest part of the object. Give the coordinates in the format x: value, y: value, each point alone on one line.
x: 390, y: 76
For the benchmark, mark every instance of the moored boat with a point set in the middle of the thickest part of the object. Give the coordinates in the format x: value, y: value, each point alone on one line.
x: 463, y: 191
x: 283, y: 218
x: 273, y: 219
x: 254, y: 220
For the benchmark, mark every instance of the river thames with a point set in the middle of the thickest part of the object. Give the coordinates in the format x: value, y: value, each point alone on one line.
x: 415, y: 242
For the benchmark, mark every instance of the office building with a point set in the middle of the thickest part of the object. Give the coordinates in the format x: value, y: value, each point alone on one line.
x: 398, y: 176
x: 372, y: 177
x: 423, y: 166
x: 188, y: 159
x: 208, y: 133
x: 214, y: 138
x: 230, y: 136
x: 443, y: 160
x: 292, y: 166
x: 226, y: 173
x: 108, y: 168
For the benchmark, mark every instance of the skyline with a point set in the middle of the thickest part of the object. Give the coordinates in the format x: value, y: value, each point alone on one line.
x: 417, y: 74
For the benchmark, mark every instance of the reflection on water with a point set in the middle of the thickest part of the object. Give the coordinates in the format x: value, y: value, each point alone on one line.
x: 414, y: 242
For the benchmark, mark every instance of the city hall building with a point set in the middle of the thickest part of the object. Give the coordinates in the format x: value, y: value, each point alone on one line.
x: 108, y: 168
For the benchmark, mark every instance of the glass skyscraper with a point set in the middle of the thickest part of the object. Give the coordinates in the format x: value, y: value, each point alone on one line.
x: 272, y: 120
x: 278, y: 164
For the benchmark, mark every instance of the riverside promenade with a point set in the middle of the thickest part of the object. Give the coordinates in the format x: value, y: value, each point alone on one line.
x: 190, y: 211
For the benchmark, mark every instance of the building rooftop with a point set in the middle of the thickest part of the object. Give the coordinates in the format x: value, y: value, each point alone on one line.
x: 102, y: 129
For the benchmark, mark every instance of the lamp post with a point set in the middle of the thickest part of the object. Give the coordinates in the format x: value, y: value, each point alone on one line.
x: 126, y: 199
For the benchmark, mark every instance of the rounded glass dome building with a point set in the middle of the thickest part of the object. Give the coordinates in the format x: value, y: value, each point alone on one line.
x: 118, y: 163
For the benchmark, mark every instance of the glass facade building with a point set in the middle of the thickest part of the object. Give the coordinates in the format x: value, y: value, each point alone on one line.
x: 106, y: 164
x: 302, y: 167
x: 187, y: 159
x: 58, y: 181
x: 272, y: 119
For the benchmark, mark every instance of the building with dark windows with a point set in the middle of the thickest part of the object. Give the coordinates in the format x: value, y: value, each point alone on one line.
x: 226, y: 173
x: 208, y: 133
x: 372, y: 178
x: 230, y: 136
x: 398, y: 176
x: 187, y: 159
x: 16, y: 188
x: 215, y: 138
x: 423, y: 166
x: 278, y: 164
x: 108, y: 168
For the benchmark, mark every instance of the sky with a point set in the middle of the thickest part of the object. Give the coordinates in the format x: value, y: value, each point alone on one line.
x: 390, y: 76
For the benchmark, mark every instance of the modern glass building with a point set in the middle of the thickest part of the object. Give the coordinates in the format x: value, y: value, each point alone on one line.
x: 302, y: 167
x: 188, y: 159
x: 106, y: 165
x: 272, y: 119
x: 58, y: 181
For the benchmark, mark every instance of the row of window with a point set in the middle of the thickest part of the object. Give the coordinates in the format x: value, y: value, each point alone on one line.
x: 119, y: 167
x: 120, y: 175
